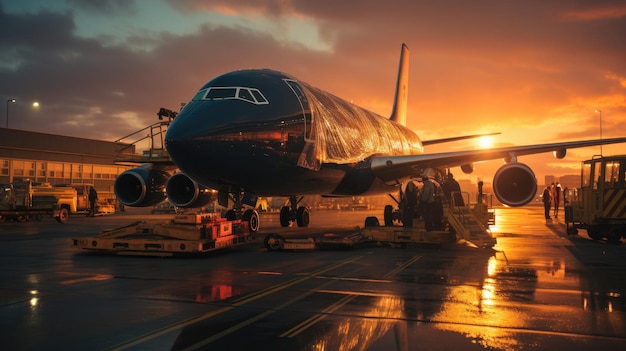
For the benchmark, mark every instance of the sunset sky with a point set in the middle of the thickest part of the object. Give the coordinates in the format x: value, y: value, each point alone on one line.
x: 533, y: 70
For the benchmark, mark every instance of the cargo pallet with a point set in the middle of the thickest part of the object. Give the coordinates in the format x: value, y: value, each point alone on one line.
x: 186, y: 234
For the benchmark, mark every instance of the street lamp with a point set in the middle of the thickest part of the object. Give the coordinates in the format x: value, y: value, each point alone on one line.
x: 9, y: 101
x: 600, y: 112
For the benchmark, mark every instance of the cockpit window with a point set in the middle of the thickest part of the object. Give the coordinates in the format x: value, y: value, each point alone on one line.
x: 199, y: 95
x: 245, y: 94
x: 251, y: 95
x: 259, y: 97
x: 221, y: 93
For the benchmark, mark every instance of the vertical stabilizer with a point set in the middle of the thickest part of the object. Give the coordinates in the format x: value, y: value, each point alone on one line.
x: 398, y: 114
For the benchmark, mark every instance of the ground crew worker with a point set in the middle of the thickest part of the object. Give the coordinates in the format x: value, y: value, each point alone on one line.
x: 410, y: 207
x: 427, y: 200
x: 452, y: 191
x: 93, y: 198
x: 547, y: 198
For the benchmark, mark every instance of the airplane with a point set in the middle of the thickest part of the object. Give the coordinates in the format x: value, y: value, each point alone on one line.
x: 260, y: 132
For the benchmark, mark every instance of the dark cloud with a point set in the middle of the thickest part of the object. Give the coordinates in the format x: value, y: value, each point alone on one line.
x: 476, y: 66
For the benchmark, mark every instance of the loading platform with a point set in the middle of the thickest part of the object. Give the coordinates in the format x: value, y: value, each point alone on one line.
x: 185, y: 234
x: 467, y: 223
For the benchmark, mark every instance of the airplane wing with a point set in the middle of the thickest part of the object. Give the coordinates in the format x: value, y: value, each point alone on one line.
x: 447, y: 140
x: 398, y: 168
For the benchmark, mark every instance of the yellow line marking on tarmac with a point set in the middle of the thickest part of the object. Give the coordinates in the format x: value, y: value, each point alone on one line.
x: 319, y: 316
x: 356, y: 293
x: 238, y: 302
x: 402, y: 267
x: 362, y: 280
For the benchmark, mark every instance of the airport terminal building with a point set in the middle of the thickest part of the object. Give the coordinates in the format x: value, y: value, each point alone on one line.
x: 58, y: 159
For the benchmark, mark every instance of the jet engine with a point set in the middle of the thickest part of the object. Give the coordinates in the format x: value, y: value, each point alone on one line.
x: 182, y: 191
x: 560, y: 153
x: 467, y: 168
x: 514, y: 184
x: 141, y: 186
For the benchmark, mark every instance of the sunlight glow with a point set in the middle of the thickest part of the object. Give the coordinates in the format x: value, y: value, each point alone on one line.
x: 485, y: 142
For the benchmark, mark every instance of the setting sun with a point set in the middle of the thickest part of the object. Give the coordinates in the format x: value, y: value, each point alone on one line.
x: 485, y: 142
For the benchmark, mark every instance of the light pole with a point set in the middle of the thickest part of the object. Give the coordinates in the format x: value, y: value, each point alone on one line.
x: 9, y: 101
x: 600, y: 112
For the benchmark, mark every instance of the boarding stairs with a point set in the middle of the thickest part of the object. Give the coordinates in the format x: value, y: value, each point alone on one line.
x: 152, y: 136
x: 471, y: 222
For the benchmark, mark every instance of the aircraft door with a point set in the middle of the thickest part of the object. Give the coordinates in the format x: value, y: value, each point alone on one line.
x: 307, y: 157
x: 304, y: 104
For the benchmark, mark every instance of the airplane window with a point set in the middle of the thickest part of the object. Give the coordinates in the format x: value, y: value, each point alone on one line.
x: 199, y: 95
x: 250, y: 95
x: 259, y: 97
x: 221, y: 93
x: 245, y: 94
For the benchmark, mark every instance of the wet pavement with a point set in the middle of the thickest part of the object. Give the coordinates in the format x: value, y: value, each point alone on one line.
x: 538, y: 289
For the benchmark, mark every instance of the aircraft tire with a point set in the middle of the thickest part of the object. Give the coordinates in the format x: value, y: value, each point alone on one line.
x: 285, y: 214
x: 303, y: 217
x: 252, y: 218
x: 388, y: 216
x: 231, y: 215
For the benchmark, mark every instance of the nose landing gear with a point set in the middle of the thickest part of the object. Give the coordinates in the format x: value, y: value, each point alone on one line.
x: 249, y: 216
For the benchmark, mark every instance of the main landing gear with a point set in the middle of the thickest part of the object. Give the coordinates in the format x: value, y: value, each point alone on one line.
x: 293, y: 213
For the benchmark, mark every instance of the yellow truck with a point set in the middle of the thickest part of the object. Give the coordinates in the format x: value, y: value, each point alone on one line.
x: 599, y: 205
x: 106, y: 199
x: 22, y: 201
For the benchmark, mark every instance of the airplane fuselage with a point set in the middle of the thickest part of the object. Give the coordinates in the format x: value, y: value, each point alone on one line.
x: 264, y: 132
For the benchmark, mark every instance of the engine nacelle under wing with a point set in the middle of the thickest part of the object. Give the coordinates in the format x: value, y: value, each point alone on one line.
x: 182, y: 191
x: 141, y: 186
x: 560, y: 153
x: 514, y: 184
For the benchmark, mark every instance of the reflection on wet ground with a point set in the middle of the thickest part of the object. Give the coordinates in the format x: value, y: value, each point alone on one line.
x: 536, y: 290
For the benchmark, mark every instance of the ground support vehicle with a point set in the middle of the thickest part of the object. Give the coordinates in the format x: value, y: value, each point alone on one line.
x: 190, y: 233
x: 599, y: 205
x: 23, y: 201
x: 106, y: 203
x: 342, y: 240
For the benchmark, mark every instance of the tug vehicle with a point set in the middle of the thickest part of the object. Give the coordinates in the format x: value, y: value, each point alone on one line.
x: 22, y: 201
x: 599, y: 205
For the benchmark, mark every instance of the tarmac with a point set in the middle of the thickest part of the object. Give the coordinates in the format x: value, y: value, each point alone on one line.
x: 536, y: 289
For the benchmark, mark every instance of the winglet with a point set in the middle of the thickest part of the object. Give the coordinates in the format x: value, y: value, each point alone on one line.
x: 398, y: 114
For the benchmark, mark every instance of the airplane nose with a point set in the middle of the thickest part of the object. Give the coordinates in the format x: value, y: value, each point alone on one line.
x: 182, y: 136
x: 186, y: 125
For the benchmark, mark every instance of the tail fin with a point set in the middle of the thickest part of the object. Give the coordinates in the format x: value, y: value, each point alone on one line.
x: 398, y: 114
